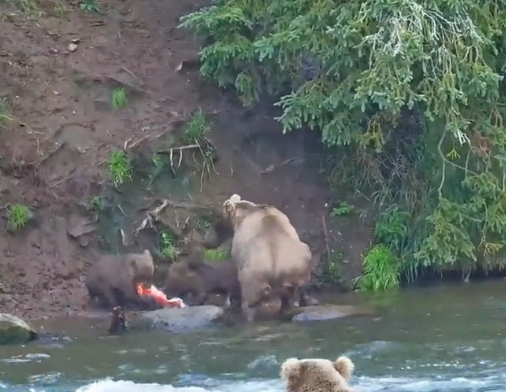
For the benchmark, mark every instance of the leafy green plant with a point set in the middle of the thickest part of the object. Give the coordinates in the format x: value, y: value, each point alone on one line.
x: 414, y: 113
x: 28, y: 6
x: 18, y: 216
x: 168, y: 246
x: 342, y: 209
x: 89, y: 6
x: 4, y: 113
x: 381, y: 270
x: 60, y: 10
x: 332, y: 272
x: 216, y: 254
x: 197, y: 127
x: 157, y: 161
x: 119, y: 98
x: 96, y: 203
x: 120, y: 167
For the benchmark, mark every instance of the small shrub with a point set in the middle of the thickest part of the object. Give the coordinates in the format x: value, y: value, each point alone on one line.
x: 217, y: 254
x: 332, y: 272
x: 59, y: 9
x: 344, y: 208
x: 96, y: 203
x: 197, y: 128
x: 89, y: 6
x: 120, y: 168
x: 156, y: 159
x: 18, y: 217
x: 119, y: 98
x: 168, y: 246
x: 28, y: 6
x: 4, y: 113
x: 381, y: 270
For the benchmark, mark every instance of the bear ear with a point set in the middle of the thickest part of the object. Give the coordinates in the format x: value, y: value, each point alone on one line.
x: 291, y: 368
x: 147, y: 253
x: 229, y: 205
x: 235, y: 198
x: 344, y: 367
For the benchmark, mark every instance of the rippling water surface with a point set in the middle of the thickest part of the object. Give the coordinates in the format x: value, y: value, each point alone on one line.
x: 439, y: 339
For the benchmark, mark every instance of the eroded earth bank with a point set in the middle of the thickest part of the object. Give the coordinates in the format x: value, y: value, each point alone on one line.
x: 85, y: 85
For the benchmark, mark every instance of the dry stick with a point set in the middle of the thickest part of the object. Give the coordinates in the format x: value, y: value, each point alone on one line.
x: 177, y: 204
x: 325, y: 235
x: 271, y: 168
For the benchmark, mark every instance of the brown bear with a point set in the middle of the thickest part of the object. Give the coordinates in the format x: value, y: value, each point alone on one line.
x: 200, y: 278
x: 322, y: 375
x: 113, y: 279
x: 270, y: 257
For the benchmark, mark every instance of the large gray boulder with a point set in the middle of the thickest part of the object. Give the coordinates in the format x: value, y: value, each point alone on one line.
x: 182, y: 319
x: 329, y: 312
x: 13, y: 330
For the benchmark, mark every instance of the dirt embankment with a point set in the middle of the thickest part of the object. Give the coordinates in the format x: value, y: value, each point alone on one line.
x: 59, y: 64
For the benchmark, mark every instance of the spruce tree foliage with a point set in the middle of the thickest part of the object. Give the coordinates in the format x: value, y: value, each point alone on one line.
x: 409, y: 93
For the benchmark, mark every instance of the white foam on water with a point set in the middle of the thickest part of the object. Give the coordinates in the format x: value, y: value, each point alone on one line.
x: 129, y: 386
x: 363, y: 384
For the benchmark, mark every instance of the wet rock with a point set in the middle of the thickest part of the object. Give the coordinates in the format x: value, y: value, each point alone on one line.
x: 182, y: 319
x: 13, y: 330
x: 328, y: 312
x: 78, y: 226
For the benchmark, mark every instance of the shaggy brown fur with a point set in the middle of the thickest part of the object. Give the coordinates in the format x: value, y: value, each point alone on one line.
x: 317, y: 375
x: 199, y: 278
x: 113, y: 279
x: 270, y: 258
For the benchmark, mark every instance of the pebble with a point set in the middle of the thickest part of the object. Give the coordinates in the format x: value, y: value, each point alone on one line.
x: 72, y: 47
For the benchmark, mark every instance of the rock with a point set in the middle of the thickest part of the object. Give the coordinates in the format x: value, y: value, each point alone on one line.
x: 77, y: 226
x: 328, y: 312
x: 183, y: 319
x: 13, y: 330
x: 72, y: 47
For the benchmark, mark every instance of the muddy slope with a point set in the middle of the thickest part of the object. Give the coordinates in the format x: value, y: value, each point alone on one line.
x: 58, y: 67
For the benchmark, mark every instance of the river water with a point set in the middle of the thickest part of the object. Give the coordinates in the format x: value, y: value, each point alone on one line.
x: 424, y: 340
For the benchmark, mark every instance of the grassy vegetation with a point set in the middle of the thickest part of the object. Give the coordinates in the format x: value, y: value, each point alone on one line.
x: 196, y: 132
x: 60, y: 10
x: 17, y: 217
x: 413, y: 114
x: 119, y: 98
x: 167, y: 245
x: 197, y: 128
x: 381, y: 270
x: 120, y: 168
x: 89, y: 6
x: 217, y: 254
x: 342, y: 209
x: 28, y: 6
x: 4, y: 113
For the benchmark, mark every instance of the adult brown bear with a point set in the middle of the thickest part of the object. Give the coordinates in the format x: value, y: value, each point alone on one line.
x: 271, y: 259
x: 113, y: 279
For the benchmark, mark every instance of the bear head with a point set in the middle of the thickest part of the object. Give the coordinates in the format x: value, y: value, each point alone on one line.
x: 317, y: 375
x: 236, y: 209
x: 142, y: 266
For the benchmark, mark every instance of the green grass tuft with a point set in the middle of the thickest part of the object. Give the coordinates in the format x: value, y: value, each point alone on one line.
x: 120, y: 167
x: 18, y: 217
x: 381, y: 270
x: 119, y: 98
x: 216, y: 254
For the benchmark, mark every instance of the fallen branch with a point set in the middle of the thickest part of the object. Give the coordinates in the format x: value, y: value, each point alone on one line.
x: 325, y: 236
x: 271, y: 168
x: 178, y: 204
